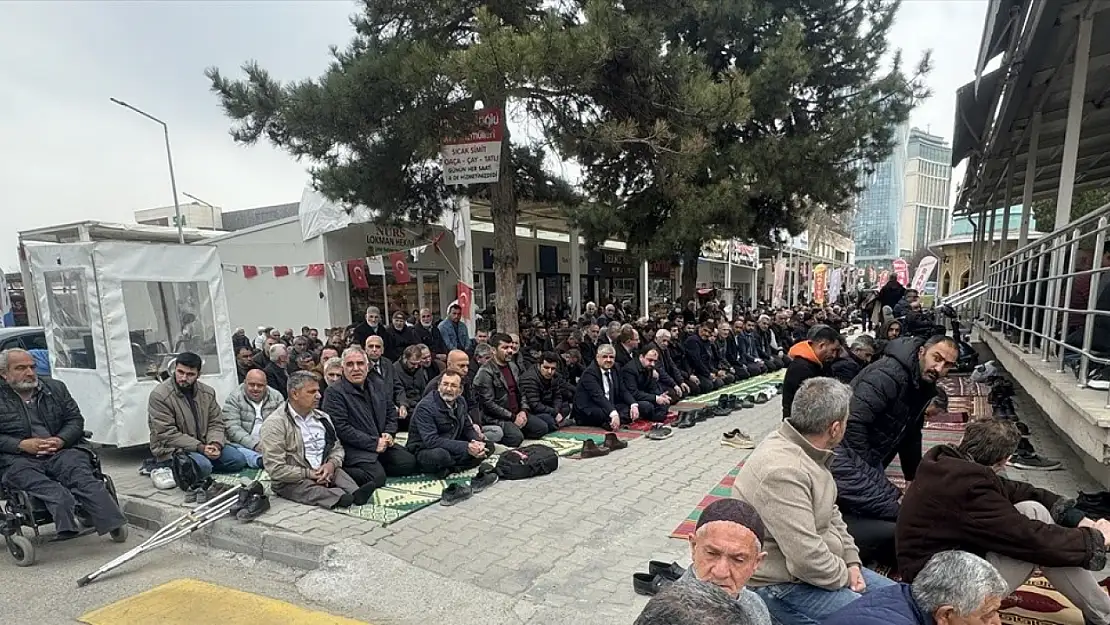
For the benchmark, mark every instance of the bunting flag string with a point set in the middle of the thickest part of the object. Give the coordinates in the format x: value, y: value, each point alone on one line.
x: 356, y: 269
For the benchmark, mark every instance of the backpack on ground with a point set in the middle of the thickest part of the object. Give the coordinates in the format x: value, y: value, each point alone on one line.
x: 525, y: 462
x: 186, y: 473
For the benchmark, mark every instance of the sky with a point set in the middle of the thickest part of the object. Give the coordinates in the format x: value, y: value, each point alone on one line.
x: 68, y: 154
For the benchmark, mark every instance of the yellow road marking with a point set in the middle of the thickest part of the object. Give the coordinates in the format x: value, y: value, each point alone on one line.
x: 193, y: 602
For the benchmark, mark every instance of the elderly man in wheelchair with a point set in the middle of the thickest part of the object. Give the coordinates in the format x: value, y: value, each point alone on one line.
x: 43, y: 453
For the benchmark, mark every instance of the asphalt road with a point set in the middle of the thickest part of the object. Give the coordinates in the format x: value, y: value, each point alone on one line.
x: 47, y: 594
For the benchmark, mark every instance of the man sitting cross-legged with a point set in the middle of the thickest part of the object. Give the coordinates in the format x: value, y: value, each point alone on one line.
x: 365, y: 425
x: 42, y: 449
x: 648, y: 385
x: 812, y: 568
x: 600, y: 399
x: 303, y: 456
x: 545, y: 393
x: 958, y: 501
x: 458, y: 362
x: 442, y: 436
x: 244, y: 411
x: 499, y: 396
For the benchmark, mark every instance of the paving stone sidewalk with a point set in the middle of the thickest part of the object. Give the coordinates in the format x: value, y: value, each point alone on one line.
x: 555, y: 548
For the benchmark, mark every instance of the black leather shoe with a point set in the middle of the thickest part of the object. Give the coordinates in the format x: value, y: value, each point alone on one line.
x: 648, y: 584
x: 685, y: 419
x: 671, y: 571
x: 256, y: 506
x: 244, y: 497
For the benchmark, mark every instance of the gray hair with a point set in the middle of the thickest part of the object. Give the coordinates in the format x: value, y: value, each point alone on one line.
x: 298, y: 380
x: 661, y: 333
x: 959, y: 579
x: 333, y: 362
x: 373, y: 309
x: 354, y: 349
x: 483, y: 350
x: 6, y: 355
x: 695, y: 603
x: 763, y: 318
x: 819, y: 403
x: 864, y: 341
x: 606, y: 349
x: 277, y: 351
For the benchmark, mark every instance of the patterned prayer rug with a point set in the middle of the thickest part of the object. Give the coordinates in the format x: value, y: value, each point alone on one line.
x: 1036, y: 602
x: 744, y: 387
x: 962, y: 386
x: 930, y: 438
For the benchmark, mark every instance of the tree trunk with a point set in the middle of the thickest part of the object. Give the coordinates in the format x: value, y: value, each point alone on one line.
x: 689, y: 278
x: 503, y: 209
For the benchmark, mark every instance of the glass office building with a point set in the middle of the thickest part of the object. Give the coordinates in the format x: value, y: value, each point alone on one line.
x: 879, y: 207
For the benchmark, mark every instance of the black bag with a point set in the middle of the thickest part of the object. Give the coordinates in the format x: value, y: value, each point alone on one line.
x: 186, y: 473
x: 526, y: 462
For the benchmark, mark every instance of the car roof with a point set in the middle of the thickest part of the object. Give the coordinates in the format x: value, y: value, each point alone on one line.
x: 7, y: 333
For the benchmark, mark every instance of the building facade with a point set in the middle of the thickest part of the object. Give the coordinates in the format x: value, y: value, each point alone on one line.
x: 879, y: 207
x: 925, y: 212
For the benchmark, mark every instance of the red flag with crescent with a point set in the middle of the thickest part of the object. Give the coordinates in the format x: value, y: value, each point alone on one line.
x: 357, y: 269
x: 400, y: 268
x: 465, y: 295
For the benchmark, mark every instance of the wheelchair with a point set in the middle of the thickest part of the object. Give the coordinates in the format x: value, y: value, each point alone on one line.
x: 20, y: 511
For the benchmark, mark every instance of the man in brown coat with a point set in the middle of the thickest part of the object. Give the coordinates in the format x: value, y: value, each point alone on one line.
x: 183, y: 413
x: 958, y: 501
x: 303, y: 456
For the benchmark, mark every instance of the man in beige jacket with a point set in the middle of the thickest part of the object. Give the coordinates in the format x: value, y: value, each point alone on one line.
x: 812, y: 568
x: 302, y: 455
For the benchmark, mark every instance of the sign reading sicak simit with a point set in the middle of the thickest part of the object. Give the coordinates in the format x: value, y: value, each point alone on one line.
x: 475, y: 158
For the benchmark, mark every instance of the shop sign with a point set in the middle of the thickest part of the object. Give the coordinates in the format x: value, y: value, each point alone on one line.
x: 744, y: 254
x: 475, y: 158
x: 661, y: 269
x: 714, y: 250
x: 384, y: 239
x: 612, y: 264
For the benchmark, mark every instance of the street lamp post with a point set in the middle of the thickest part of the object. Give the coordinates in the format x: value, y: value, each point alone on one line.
x: 169, y: 158
x: 211, y: 208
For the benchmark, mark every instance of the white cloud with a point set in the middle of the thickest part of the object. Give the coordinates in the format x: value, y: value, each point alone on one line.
x: 70, y: 154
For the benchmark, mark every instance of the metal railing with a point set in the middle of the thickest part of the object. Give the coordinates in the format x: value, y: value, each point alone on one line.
x: 1030, y: 296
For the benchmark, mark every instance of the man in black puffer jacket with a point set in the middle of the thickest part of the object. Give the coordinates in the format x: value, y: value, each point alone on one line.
x: 888, y: 404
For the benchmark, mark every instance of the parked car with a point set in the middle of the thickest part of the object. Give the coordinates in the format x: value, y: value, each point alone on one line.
x: 30, y: 338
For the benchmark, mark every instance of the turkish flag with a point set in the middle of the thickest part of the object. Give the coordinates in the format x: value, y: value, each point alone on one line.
x: 465, y: 295
x: 357, y: 269
x: 250, y: 271
x: 280, y: 271
x: 316, y: 270
x: 400, y: 268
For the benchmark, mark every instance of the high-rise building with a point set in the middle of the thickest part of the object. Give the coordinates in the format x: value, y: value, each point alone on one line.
x: 879, y: 207
x: 904, y: 202
x: 925, y: 212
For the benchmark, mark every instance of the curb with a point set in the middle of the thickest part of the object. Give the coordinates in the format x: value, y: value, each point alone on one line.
x: 256, y: 540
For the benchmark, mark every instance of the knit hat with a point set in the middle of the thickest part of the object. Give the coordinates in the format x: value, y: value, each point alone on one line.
x: 734, y: 511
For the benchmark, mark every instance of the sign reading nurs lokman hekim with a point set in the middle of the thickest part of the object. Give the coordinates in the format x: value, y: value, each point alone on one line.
x: 475, y: 158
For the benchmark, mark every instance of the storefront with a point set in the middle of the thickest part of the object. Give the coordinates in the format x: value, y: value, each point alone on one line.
x: 661, y: 284
x: 617, y: 275
x: 485, y: 282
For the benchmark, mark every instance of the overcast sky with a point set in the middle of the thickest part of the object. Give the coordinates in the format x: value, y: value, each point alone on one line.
x: 68, y: 154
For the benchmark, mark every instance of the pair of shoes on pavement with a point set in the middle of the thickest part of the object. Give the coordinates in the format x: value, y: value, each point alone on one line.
x: 659, y: 576
x: 590, y: 449
x: 1027, y: 458
x: 658, y: 432
x: 691, y: 417
x: 251, y: 503
x: 454, y: 493
x: 737, y: 439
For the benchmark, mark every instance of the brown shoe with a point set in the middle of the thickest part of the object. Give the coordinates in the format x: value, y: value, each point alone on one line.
x: 612, y: 443
x: 591, y: 450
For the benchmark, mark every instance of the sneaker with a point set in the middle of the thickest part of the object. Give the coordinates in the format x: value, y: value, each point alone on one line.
x: 201, y: 496
x: 985, y: 372
x: 1032, y: 462
x: 738, y: 440
x: 257, y: 505
x: 762, y: 397
x: 162, y: 478
x: 486, y: 477
x: 658, y: 432
x: 191, y: 497
x: 454, y: 493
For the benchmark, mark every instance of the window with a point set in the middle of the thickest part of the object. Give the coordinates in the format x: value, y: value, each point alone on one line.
x: 66, y: 299
x: 168, y: 318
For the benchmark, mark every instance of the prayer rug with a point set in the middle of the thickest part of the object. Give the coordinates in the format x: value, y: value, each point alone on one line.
x: 977, y: 407
x: 1036, y: 602
x: 744, y: 387
x: 945, y: 426
x: 568, y: 441
x: 642, y: 425
x: 930, y: 438
x: 962, y: 386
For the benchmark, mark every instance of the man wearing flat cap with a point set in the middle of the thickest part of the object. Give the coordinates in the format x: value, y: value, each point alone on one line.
x: 726, y: 548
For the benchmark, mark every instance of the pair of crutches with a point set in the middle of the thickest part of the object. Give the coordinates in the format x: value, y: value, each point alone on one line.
x: 199, y: 518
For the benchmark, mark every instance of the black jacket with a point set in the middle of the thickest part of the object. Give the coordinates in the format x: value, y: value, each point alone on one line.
x: 804, y: 365
x: 364, y: 331
x: 386, y: 386
x: 431, y: 338
x: 360, y: 418
x: 847, y: 367
x: 397, y: 340
x: 492, y: 391
x: 697, y: 356
x: 54, y: 405
x: 588, y: 349
x: 624, y: 355
x: 590, y: 398
x: 412, y: 383
x: 887, y: 414
x: 640, y: 383
x: 891, y: 293
x: 435, y: 425
x: 540, y: 396
x: 667, y: 365
x: 277, y: 378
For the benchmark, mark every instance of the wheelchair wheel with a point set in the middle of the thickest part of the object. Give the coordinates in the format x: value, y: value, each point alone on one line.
x: 119, y: 535
x: 22, y: 549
